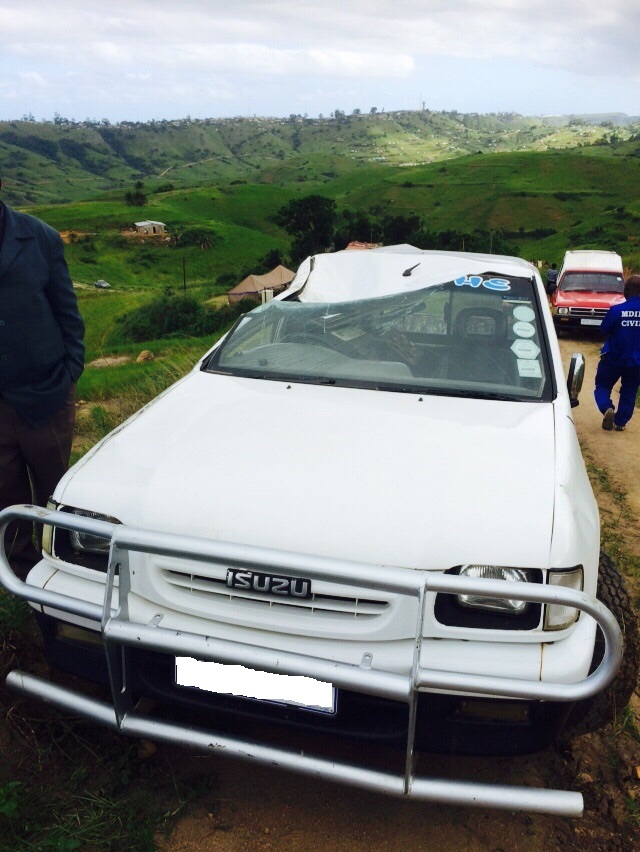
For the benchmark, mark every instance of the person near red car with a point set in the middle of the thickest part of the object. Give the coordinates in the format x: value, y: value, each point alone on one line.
x: 620, y: 359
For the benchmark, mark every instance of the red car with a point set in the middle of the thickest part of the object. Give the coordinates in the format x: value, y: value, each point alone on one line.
x: 590, y: 282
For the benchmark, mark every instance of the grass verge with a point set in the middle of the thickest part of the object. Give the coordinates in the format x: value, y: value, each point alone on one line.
x: 64, y: 784
x: 615, y: 517
x: 83, y: 789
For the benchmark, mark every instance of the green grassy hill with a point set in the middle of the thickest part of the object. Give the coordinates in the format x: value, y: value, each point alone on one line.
x: 64, y: 161
x: 536, y: 203
x: 584, y: 201
x: 591, y: 202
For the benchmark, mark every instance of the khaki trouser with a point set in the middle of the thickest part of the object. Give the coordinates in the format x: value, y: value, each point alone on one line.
x: 32, y: 461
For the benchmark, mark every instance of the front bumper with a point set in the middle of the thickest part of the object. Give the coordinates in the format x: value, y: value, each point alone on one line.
x: 445, y: 724
x: 583, y: 321
x: 120, y: 632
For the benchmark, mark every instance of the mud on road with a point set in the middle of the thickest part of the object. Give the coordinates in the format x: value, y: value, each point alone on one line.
x: 259, y: 808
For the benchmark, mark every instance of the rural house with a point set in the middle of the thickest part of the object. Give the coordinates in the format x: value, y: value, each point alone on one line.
x: 149, y: 227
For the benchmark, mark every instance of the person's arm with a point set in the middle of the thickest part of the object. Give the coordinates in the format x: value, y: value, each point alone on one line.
x: 64, y: 305
x: 609, y: 321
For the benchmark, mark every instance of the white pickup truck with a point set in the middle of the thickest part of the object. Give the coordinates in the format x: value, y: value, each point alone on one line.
x: 371, y: 491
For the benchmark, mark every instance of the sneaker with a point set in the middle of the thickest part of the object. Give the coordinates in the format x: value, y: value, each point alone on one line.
x: 607, y: 420
x: 618, y: 428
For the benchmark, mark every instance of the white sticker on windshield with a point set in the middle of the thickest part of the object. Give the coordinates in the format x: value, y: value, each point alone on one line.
x: 523, y: 329
x: 529, y: 369
x: 525, y: 348
x: 524, y: 313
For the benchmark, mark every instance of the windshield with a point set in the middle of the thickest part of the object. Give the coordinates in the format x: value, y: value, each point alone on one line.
x: 475, y: 336
x: 597, y: 282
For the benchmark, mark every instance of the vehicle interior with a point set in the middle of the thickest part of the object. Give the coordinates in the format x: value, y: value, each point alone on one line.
x: 593, y: 282
x: 442, y: 337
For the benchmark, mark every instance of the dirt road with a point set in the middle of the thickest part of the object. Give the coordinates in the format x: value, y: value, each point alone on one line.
x: 252, y: 808
x: 616, y: 452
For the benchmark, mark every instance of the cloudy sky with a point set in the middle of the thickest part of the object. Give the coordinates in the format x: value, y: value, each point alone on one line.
x: 143, y: 59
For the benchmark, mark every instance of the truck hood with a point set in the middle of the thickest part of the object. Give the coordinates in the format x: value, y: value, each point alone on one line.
x: 388, y: 478
x: 586, y: 299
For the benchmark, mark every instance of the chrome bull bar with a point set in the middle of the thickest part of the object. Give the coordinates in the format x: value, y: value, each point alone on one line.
x: 118, y: 630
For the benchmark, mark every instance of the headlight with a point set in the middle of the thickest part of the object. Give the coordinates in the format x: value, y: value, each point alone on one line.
x: 86, y: 543
x: 563, y: 311
x: 493, y: 572
x: 89, y: 551
x: 557, y: 616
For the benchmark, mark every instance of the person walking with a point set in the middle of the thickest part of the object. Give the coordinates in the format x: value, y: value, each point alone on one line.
x: 620, y: 359
x: 41, y: 359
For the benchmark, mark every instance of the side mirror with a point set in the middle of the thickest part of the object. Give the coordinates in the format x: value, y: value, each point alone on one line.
x: 575, y: 378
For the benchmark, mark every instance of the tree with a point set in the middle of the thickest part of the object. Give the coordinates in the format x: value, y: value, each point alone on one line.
x: 400, y: 229
x: 355, y: 225
x: 311, y: 221
x: 137, y: 198
x: 269, y: 261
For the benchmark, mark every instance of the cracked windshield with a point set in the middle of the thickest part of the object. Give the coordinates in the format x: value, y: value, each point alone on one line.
x: 479, y: 335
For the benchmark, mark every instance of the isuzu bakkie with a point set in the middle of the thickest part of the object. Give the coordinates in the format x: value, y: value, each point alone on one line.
x: 364, y: 515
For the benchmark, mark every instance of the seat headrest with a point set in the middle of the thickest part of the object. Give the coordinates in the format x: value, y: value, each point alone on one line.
x: 480, y: 326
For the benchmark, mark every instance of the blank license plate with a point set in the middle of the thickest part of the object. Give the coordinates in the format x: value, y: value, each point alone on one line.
x: 591, y: 322
x: 223, y: 679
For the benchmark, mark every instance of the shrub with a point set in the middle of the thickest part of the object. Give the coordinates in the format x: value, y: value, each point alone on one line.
x: 203, y: 238
x: 175, y: 316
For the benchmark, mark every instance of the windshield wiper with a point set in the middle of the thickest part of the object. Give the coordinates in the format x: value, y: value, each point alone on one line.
x: 476, y: 394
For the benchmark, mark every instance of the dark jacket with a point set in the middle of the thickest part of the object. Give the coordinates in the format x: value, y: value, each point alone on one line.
x: 41, y: 330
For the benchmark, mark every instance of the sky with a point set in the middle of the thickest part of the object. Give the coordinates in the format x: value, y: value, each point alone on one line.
x: 137, y: 60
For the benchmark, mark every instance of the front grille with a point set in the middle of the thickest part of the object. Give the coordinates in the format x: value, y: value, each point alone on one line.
x: 214, y: 589
x: 588, y: 313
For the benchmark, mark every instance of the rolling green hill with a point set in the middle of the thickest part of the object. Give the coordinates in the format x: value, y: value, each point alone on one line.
x: 228, y: 179
x: 580, y: 201
x: 63, y: 161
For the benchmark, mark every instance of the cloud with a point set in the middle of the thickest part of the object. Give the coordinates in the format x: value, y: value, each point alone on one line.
x: 261, y: 60
x: 233, y: 58
x: 325, y: 36
x: 32, y: 78
x: 245, y: 44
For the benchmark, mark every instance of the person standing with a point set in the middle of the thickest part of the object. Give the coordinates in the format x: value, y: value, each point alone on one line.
x: 620, y: 359
x: 552, y: 279
x: 41, y: 359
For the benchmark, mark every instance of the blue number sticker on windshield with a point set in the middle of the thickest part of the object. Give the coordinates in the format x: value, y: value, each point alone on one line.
x: 496, y: 284
x: 471, y: 280
x: 477, y: 280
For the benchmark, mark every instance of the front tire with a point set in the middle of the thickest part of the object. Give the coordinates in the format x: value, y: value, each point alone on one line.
x: 606, y: 706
